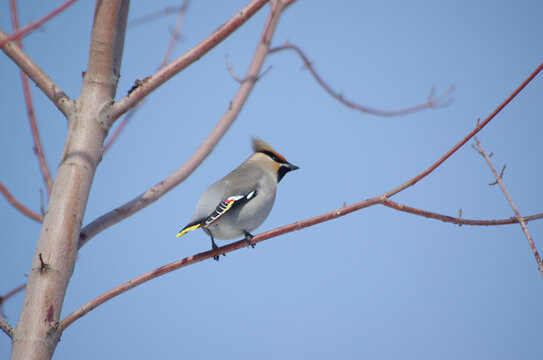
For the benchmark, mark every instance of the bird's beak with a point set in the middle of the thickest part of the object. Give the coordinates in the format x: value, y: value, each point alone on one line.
x: 285, y: 168
x: 291, y: 167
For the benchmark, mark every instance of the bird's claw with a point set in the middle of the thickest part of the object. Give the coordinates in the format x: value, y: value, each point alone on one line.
x: 248, y: 238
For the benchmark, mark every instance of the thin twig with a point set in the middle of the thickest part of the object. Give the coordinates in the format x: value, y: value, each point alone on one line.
x: 205, y: 148
x: 478, y: 128
x: 457, y: 220
x: 298, y: 225
x: 432, y: 102
x: 16, y: 204
x: 19, y: 33
x: 182, y: 62
x: 46, y: 174
x: 512, y: 204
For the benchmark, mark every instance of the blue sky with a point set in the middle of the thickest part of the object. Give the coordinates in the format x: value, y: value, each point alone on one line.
x: 375, y: 284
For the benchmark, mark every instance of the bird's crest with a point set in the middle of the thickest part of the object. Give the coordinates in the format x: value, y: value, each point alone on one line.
x: 260, y: 145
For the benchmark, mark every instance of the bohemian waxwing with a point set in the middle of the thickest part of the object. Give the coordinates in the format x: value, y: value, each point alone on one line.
x: 241, y: 201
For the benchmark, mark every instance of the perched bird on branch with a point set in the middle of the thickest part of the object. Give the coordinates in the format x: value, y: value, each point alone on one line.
x: 240, y: 202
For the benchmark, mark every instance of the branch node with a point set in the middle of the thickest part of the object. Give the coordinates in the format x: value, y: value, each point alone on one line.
x: 137, y: 84
x: 43, y: 265
x: 477, y: 149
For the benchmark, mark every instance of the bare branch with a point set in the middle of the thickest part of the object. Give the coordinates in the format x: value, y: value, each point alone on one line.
x: 478, y: 128
x: 167, y: 72
x: 209, y: 254
x: 432, y: 102
x: 30, y: 110
x: 16, y: 204
x: 157, y: 191
x: 512, y: 204
x: 19, y: 33
x: 458, y: 220
x: 36, y: 74
x: 256, y: 239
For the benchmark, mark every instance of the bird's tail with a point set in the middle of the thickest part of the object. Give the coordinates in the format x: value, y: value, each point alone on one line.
x: 188, y: 228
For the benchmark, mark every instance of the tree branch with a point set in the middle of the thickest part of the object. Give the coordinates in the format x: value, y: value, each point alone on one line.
x: 157, y: 191
x: 36, y: 334
x: 521, y: 221
x: 19, y: 33
x: 298, y: 225
x: 167, y: 72
x: 456, y: 220
x: 478, y: 128
x: 16, y: 204
x: 432, y: 102
x: 30, y: 110
x: 34, y: 72
x: 242, y: 244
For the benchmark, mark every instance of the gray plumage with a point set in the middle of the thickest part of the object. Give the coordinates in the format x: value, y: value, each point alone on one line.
x: 250, y: 188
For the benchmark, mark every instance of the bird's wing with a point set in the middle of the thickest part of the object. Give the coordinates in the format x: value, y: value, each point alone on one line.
x: 224, y: 206
x: 207, y: 211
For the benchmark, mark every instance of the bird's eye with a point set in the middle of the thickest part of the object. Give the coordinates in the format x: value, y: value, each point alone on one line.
x: 273, y: 156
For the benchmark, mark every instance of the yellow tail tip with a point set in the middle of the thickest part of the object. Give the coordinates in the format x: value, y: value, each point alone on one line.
x: 186, y: 230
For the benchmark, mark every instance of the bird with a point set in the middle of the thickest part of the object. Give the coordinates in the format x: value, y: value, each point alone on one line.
x: 239, y: 203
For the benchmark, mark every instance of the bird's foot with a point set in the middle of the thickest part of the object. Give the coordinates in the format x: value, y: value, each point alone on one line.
x: 213, y: 247
x: 248, y: 238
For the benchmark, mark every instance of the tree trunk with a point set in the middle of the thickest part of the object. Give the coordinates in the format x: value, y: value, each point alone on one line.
x: 37, y: 333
